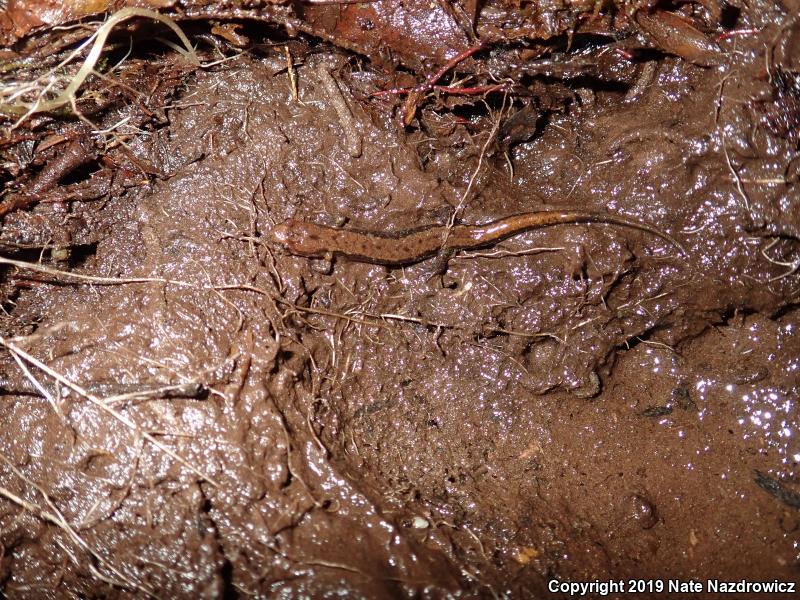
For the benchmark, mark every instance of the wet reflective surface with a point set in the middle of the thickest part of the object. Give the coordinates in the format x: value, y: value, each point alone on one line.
x: 579, y: 402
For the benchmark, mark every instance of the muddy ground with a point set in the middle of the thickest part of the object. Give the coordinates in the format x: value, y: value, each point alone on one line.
x: 579, y: 402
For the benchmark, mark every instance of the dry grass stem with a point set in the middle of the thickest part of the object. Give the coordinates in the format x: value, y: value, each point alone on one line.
x: 55, y: 517
x: 10, y: 95
x: 99, y: 403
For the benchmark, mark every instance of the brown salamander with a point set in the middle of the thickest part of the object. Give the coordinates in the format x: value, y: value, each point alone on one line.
x: 308, y: 239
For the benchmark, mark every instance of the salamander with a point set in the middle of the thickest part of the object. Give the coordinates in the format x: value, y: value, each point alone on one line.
x: 304, y: 238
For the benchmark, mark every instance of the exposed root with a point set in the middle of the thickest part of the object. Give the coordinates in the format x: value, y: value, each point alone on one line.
x: 39, y: 387
x: 791, y: 267
x: 364, y: 318
x: 735, y: 174
x: 462, y: 202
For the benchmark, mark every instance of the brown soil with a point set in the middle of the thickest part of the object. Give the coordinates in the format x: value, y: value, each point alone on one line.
x: 600, y: 408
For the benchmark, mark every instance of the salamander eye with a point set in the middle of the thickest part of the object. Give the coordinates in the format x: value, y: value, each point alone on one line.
x: 280, y: 234
x: 288, y: 234
x: 294, y: 236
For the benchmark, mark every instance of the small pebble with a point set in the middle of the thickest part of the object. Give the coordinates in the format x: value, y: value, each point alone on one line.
x: 420, y: 523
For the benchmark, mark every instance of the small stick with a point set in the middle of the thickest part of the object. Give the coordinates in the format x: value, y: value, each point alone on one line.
x: 377, y: 322
x: 57, y: 518
x: 14, y: 349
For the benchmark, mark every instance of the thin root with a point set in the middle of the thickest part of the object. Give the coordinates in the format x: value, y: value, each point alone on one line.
x: 99, y: 403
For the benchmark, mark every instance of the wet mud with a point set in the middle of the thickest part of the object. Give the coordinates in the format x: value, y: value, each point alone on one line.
x: 213, y: 416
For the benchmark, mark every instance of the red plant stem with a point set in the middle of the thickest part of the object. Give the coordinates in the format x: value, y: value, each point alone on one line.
x: 471, y: 91
x: 736, y: 32
x: 449, y: 65
x: 624, y: 53
x: 430, y: 82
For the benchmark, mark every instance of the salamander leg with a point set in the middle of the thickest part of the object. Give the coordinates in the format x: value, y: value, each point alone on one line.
x: 323, y: 265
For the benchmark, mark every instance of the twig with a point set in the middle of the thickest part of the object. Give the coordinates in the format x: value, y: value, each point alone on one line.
x: 459, y: 207
x: 291, y: 73
x: 416, y: 93
x: 37, y: 384
x: 180, y: 390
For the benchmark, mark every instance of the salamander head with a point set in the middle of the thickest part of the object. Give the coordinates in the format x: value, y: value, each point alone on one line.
x: 300, y: 238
